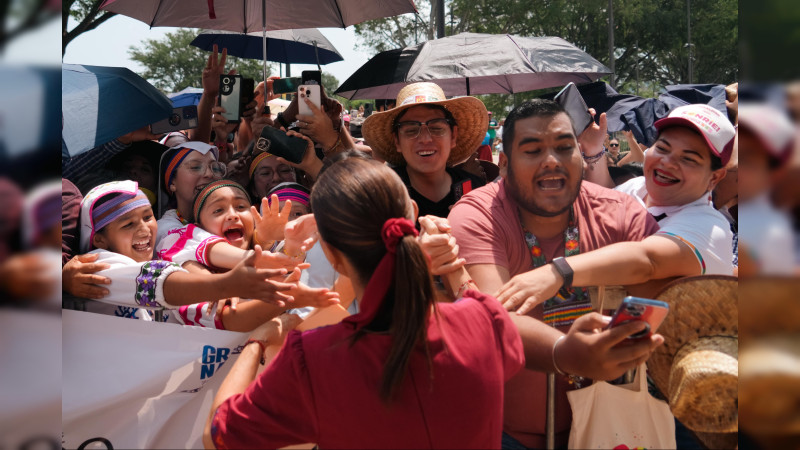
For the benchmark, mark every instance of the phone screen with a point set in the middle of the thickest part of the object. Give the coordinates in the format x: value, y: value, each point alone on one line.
x: 230, y: 91
x: 286, y: 85
x: 313, y: 76
x: 572, y: 101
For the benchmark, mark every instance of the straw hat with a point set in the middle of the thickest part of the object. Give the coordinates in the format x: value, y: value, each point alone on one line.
x: 469, y: 113
x: 697, y: 367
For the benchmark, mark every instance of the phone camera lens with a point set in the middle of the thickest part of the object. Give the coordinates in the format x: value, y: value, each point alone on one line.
x: 634, y: 310
x: 174, y: 119
x: 226, y: 80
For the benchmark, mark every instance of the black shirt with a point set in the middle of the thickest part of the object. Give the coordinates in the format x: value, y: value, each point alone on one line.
x: 442, y: 207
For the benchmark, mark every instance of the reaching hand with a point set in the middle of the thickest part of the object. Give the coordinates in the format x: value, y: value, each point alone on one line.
x: 269, y: 227
x: 275, y: 330
x: 300, y: 235
x: 527, y: 290
x: 592, y: 138
x: 437, y: 242
x: 213, y: 69
x: 307, y: 296
x: 589, y: 350
x: 269, y: 260
x: 248, y: 281
x: 78, y: 277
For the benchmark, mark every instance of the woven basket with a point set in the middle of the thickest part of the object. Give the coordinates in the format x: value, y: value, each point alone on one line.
x: 696, y: 368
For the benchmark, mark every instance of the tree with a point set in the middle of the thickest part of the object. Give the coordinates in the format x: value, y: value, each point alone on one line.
x: 86, y: 13
x: 650, y: 36
x: 171, y: 64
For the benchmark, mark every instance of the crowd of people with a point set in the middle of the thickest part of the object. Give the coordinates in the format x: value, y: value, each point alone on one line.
x: 466, y: 280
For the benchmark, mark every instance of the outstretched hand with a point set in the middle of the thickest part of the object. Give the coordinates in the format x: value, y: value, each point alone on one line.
x: 213, y: 69
x: 525, y: 291
x: 248, y: 281
x: 270, y: 225
x: 300, y: 235
x: 591, y: 351
x: 307, y: 296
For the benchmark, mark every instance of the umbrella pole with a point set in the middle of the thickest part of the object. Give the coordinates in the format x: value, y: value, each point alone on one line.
x: 264, y: 37
x: 316, y: 54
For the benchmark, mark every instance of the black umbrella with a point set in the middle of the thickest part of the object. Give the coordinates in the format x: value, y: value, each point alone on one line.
x: 474, y: 63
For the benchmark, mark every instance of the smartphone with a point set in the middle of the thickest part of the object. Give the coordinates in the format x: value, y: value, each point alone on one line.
x: 572, y: 101
x: 653, y: 312
x: 278, y: 143
x: 311, y: 77
x: 461, y: 188
x: 230, y: 97
x: 286, y: 85
x: 182, y: 118
x: 313, y: 93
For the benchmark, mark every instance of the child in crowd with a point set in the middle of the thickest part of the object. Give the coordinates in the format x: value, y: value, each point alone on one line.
x: 118, y: 224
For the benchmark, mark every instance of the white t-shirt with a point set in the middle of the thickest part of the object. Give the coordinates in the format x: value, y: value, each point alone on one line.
x: 767, y: 234
x: 697, y: 224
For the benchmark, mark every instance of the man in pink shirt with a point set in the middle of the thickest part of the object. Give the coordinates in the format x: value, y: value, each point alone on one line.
x: 539, y: 212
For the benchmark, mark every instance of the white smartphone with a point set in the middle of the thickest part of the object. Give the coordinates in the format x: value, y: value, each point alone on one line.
x: 312, y: 92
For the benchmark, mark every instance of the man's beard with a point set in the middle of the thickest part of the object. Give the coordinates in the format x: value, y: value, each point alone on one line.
x: 526, y: 201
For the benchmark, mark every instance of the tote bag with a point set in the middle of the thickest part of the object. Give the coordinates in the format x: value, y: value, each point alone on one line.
x: 620, y: 417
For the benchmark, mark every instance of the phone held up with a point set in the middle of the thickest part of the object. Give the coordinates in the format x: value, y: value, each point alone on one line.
x: 278, y: 143
x: 286, y: 85
x: 653, y: 312
x: 572, y: 101
x: 235, y: 93
x: 312, y: 92
x: 182, y: 118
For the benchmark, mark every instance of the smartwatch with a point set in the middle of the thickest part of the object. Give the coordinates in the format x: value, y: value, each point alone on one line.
x: 563, y: 268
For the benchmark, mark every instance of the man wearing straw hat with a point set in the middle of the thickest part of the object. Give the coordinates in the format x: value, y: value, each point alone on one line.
x: 540, y: 212
x: 423, y: 137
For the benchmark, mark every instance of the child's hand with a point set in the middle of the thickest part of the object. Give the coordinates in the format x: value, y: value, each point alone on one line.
x: 307, y: 296
x: 440, y: 246
x: 248, y: 281
x: 269, y: 227
x: 270, y: 260
x: 300, y: 235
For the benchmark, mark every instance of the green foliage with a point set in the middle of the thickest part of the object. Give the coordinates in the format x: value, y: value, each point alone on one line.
x: 650, y: 36
x: 171, y: 64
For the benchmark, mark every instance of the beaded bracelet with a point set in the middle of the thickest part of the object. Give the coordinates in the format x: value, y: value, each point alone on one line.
x: 262, y: 344
x: 592, y: 160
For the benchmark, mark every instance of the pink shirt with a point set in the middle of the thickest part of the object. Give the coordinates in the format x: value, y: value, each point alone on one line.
x: 320, y: 389
x: 486, y: 225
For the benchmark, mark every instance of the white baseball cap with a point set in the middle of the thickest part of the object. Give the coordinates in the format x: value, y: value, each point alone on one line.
x: 771, y: 127
x: 712, y: 124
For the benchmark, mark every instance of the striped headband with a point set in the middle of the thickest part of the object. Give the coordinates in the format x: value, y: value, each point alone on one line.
x: 174, y: 162
x: 204, y: 193
x: 118, y: 206
x: 257, y: 160
x: 290, y: 193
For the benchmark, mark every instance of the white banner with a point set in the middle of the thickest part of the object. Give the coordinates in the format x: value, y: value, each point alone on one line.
x: 135, y: 384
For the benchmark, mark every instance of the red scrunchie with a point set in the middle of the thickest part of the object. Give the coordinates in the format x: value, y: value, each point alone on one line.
x: 394, y: 229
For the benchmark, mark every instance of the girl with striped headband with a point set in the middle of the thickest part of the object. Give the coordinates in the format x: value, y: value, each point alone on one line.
x: 223, y: 208
x: 297, y: 194
x: 117, y: 223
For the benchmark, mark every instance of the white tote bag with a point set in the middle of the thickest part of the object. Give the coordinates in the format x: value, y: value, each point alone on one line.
x: 620, y: 416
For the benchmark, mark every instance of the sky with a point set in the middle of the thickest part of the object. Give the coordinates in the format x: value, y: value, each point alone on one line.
x: 108, y: 45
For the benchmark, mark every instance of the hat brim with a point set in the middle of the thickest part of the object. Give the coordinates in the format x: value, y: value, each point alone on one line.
x: 469, y: 113
x: 702, y: 306
x: 723, y: 154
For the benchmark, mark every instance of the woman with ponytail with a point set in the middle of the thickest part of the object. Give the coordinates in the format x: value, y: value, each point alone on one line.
x: 405, y: 372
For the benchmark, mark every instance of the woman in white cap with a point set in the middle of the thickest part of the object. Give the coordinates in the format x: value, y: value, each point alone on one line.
x: 423, y: 137
x: 680, y: 170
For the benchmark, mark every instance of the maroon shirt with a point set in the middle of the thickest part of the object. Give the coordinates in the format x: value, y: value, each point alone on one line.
x: 320, y: 389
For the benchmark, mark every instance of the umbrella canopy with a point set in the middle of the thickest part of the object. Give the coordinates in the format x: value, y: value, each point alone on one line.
x: 99, y: 104
x: 475, y: 63
x: 188, y: 96
x: 303, y: 46
x: 247, y: 15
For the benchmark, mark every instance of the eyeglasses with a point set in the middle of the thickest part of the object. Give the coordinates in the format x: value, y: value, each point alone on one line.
x: 199, y: 168
x: 613, y: 145
x: 411, y: 129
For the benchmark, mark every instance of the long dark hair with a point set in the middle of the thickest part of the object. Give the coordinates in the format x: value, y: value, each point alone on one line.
x: 351, y: 201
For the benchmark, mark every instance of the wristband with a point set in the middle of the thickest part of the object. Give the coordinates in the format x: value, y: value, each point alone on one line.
x: 336, y: 145
x: 592, y: 160
x: 263, y: 345
x: 464, y: 286
x: 555, y: 344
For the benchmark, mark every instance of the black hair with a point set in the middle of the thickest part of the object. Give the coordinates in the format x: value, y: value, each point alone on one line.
x: 532, y: 108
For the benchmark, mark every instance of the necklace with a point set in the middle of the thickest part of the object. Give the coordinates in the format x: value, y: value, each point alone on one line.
x: 568, y: 304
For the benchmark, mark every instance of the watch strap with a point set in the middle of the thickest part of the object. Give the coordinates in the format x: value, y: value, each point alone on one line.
x: 564, y: 270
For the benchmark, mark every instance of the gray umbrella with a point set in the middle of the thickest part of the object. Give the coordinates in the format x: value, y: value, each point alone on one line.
x: 475, y: 63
